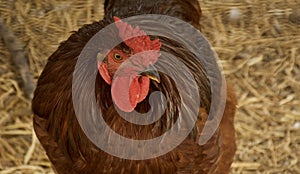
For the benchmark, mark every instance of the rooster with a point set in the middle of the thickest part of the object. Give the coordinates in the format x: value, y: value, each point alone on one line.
x: 55, y: 122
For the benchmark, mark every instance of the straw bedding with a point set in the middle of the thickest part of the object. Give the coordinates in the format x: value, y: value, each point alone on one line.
x: 258, y: 42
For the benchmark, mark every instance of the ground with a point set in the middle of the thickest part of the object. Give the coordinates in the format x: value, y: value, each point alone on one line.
x: 258, y: 43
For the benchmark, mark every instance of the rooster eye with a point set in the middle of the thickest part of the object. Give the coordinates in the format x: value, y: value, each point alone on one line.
x: 118, y: 56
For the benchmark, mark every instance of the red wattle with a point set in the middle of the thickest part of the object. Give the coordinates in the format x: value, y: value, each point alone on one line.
x: 138, y: 90
x: 127, y: 93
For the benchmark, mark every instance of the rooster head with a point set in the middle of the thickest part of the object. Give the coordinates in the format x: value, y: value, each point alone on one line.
x: 130, y: 78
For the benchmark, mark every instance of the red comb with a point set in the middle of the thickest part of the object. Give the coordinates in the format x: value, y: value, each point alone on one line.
x: 135, y: 38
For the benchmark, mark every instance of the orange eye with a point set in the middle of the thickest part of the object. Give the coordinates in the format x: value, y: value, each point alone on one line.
x: 118, y: 57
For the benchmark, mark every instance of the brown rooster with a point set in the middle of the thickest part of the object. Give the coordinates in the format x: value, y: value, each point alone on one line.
x: 56, y: 125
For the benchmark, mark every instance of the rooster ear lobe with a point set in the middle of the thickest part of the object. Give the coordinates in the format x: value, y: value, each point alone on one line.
x: 102, y: 68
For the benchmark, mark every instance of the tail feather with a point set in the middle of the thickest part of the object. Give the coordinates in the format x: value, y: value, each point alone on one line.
x: 187, y: 10
x: 106, y: 3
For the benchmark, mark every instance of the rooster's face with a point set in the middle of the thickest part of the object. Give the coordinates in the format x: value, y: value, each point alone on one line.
x: 130, y: 84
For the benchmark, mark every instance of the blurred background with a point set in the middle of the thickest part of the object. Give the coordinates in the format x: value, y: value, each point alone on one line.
x: 258, y: 42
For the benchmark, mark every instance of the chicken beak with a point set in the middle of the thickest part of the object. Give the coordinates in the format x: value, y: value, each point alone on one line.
x: 152, y: 73
x: 154, y: 77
